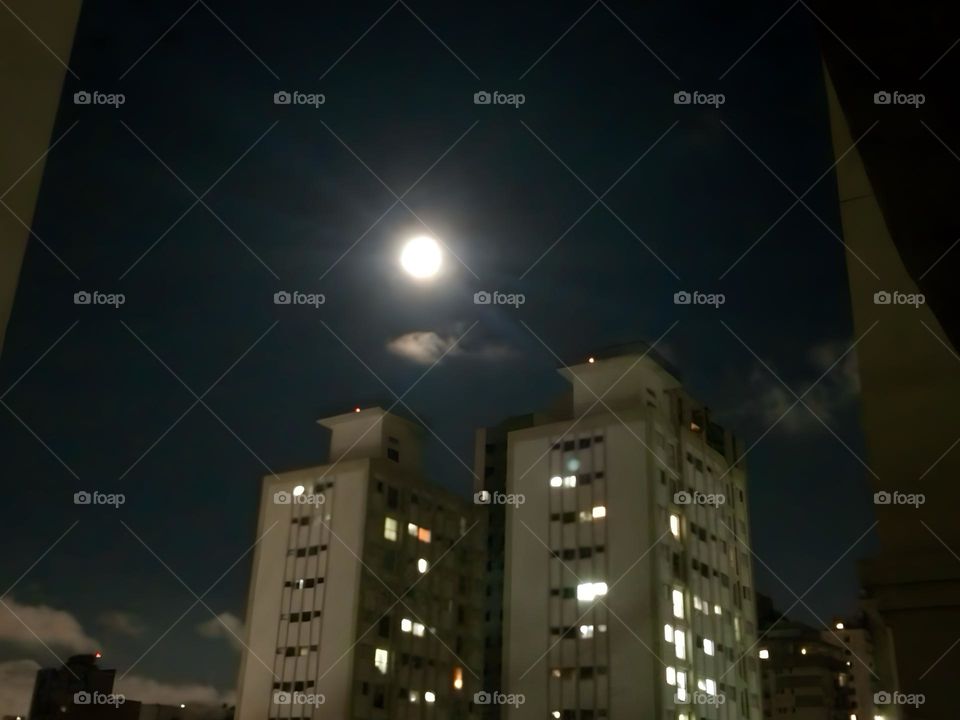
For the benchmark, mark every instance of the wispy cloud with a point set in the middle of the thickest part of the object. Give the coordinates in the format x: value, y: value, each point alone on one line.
x: 121, y: 623
x: 225, y: 626
x: 35, y: 625
x: 834, y: 393
x: 427, y: 347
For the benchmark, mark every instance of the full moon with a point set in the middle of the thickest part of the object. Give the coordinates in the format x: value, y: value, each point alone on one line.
x: 421, y: 257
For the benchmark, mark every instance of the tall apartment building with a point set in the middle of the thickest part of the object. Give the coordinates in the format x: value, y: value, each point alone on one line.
x: 366, y: 596
x: 806, y: 676
x: 855, y: 639
x: 628, y: 589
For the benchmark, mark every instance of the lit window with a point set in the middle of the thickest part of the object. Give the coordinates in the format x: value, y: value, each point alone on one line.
x: 390, y: 529
x: 711, y: 686
x: 671, y: 676
x: 418, y: 629
x: 600, y: 511
x: 681, y: 680
x: 677, y: 603
x: 717, y: 610
x: 590, y: 591
x: 764, y: 654
x: 406, y: 625
x: 668, y: 633
x: 422, y: 565
x: 298, y: 491
x: 586, y: 631
x: 675, y: 525
x: 697, y: 605
x: 414, y: 696
x: 683, y: 716
x: 570, y: 481
x: 681, y: 694
x: 708, y: 646
x: 429, y: 697
x: 380, y: 660
x: 411, y: 529
x: 736, y: 628
x: 680, y: 642
x: 556, y: 481
x: 556, y: 714
x: 457, y: 678
x: 839, y: 626
x: 803, y: 651
x: 585, y: 516
x: 423, y: 535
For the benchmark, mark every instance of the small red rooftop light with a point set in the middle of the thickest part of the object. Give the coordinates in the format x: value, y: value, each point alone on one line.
x: 356, y: 409
x: 98, y: 654
x: 591, y: 360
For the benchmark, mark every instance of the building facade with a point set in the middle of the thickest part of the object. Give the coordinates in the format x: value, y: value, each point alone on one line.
x: 628, y: 585
x: 366, y: 596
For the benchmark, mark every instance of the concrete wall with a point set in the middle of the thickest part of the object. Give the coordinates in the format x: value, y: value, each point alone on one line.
x: 31, y: 80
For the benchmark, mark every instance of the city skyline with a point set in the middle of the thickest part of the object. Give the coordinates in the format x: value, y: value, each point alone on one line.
x: 203, y: 379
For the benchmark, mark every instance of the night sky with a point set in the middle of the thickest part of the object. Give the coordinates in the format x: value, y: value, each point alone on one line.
x: 303, y: 198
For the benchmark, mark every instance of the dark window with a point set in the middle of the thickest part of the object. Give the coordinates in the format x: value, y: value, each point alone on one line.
x: 392, y: 497
x: 384, y: 626
x: 393, y: 454
x: 569, y: 445
x: 584, y: 443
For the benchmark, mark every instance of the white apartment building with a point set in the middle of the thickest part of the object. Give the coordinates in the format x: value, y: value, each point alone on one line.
x: 366, y: 594
x: 628, y: 588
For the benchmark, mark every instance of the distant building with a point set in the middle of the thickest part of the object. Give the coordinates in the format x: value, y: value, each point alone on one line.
x: 628, y: 587
x: 805, y: 676
x: 367, y: 592
x: 79, y: 690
